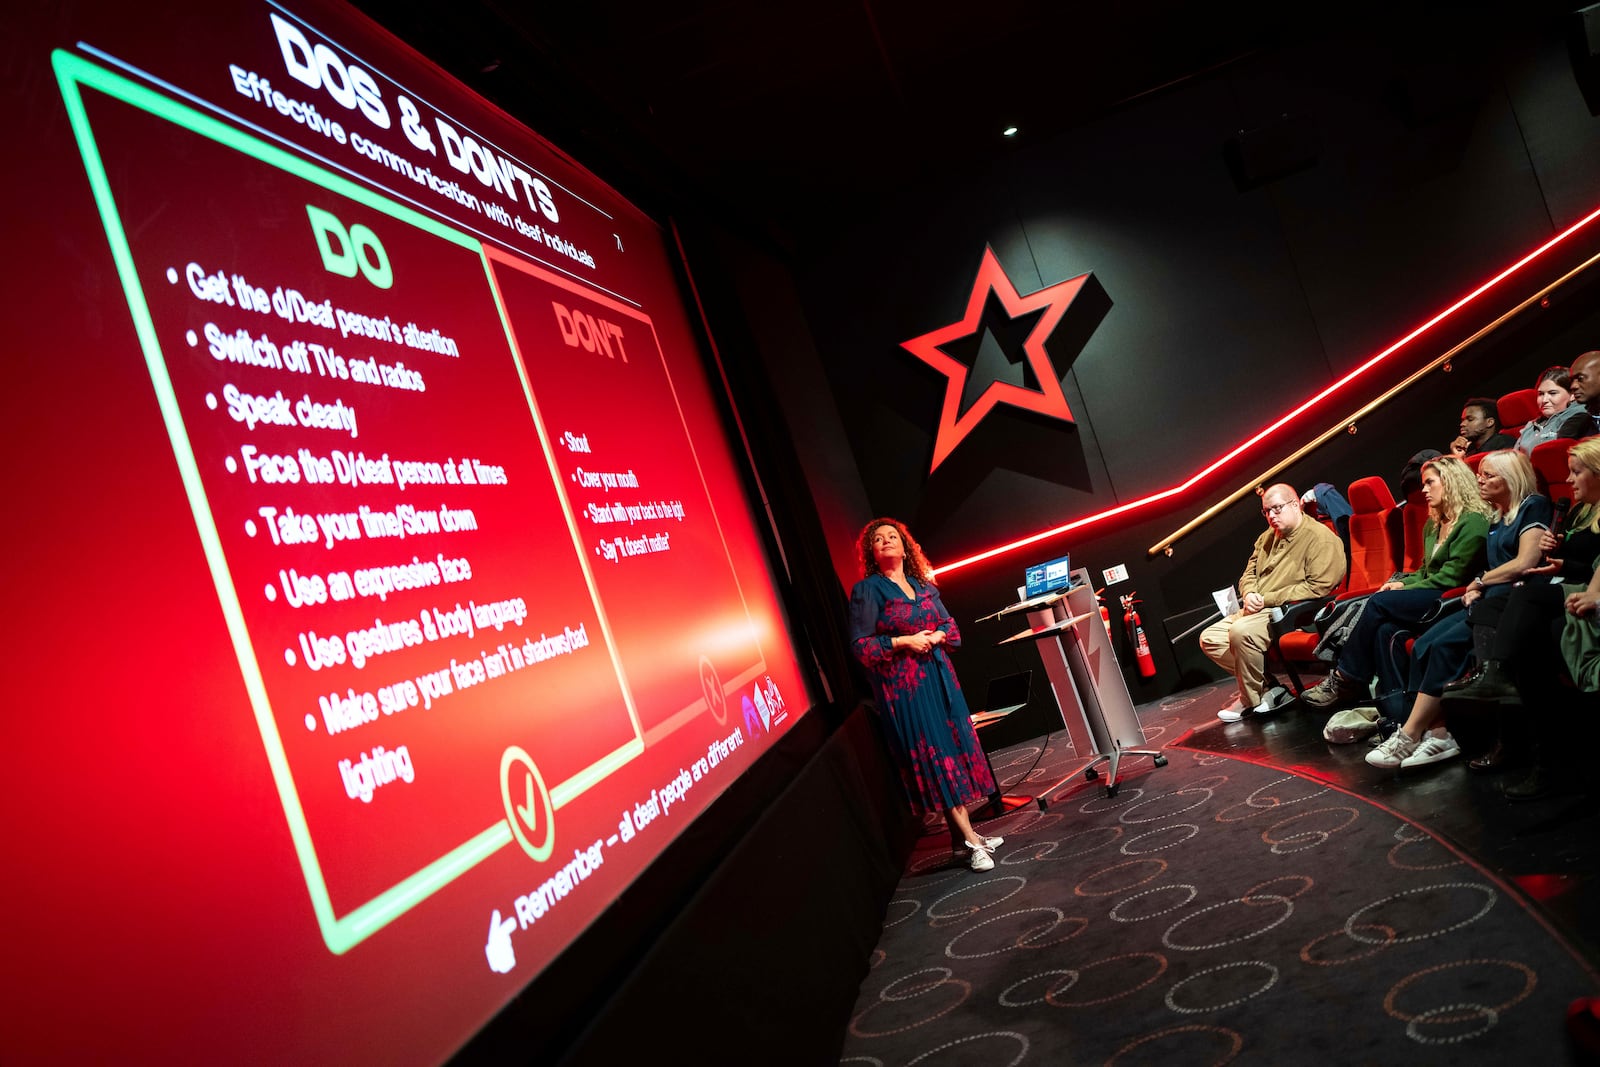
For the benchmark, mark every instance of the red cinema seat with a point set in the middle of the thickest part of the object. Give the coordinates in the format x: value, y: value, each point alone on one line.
x: 1550, y: 467
x: 1473, y: 460
x: 1375, y: 554
x: 1515, y: 410
x: 1416, y: 520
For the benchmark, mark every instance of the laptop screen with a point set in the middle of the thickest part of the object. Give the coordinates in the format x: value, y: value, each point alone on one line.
x: 1048, y: 577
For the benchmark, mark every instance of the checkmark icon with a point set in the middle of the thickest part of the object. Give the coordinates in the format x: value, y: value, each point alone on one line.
x: 530, y: 811
x: 533, y: 813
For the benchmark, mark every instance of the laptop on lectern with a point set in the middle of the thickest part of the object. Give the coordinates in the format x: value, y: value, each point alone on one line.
x: 1047, y: 577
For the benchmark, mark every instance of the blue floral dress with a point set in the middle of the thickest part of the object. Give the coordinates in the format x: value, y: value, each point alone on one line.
x: 926, y: 720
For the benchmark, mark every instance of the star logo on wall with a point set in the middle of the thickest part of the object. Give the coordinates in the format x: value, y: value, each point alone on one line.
x: 1048, y: 306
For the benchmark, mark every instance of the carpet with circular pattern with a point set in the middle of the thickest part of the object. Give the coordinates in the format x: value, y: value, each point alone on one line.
x: 1213, y: 911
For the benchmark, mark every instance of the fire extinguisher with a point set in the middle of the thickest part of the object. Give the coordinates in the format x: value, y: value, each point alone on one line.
x: 1136, y: 638
x: 1105, y: 613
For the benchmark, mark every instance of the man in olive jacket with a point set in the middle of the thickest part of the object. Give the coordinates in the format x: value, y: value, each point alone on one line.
x: 1295, y: 559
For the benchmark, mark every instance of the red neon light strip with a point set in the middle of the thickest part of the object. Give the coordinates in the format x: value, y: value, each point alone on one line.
x: 1078, y: 524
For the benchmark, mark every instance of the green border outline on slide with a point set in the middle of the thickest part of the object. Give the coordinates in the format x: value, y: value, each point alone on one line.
x: 341, y: 933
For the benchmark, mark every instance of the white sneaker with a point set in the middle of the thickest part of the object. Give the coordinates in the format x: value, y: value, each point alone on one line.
x: 1273, y: 700
x: 989, y: 845
x: 1392, y: 752
x: 1233, y: 712
x: 1432, y: 750
x: 981, y: 860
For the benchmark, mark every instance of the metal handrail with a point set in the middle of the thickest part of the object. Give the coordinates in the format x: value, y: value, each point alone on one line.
x: 1258, y: 484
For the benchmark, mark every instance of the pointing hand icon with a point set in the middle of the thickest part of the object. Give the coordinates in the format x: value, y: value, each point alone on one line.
x: 502, y: 957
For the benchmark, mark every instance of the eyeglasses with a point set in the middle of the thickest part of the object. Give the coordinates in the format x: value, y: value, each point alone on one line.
x: 1272, y: 509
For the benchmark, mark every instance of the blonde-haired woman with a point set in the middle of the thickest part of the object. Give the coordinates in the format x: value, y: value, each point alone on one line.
x: 1520, y: 658
x: 1522, y: 518
x: 1452, y: 550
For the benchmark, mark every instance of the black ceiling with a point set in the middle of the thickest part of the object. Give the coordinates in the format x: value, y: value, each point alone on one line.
x: 778, y: 112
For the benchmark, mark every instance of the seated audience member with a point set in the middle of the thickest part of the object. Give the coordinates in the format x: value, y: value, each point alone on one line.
x: 1295, y: 559
x: 1506, y: 482
x: 1558, y: 417
x: 1452, y: 550
x: 1480, y: 429
x: 1411, y: 473
x: 1585, y: 385
x: 1519, y: 659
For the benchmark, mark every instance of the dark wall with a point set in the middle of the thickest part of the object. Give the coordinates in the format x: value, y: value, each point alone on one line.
x: 1427, y: 162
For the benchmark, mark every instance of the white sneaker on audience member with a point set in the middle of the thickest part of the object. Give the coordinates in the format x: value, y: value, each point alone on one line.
x: 1273, y: 700
x: 981, y: 860
x: 1432, y: 749
x: 1392, y: 752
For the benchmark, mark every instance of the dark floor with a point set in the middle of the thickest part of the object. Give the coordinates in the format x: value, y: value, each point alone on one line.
x: 1549, y: 848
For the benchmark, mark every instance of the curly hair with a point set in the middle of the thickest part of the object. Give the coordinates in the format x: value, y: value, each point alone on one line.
x: 1460, y: 490
x: 916, y: 565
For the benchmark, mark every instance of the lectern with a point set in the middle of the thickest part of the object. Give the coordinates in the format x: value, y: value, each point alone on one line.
x: 1084, y: 676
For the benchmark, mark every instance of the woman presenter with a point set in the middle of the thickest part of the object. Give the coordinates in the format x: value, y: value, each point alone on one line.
x: 899, y: 629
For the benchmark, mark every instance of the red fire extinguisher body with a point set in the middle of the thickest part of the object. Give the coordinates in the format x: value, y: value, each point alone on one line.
x: 1136, y: 638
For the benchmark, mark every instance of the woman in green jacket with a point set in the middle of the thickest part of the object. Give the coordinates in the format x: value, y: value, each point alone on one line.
x: 1453, y: 549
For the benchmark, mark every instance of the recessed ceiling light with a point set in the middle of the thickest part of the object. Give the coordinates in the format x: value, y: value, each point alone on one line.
x: 1009, y: 131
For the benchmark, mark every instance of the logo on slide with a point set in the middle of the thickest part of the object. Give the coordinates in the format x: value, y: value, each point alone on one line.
x: 774, y: 700
x: 1051, y: 305
x: 753, y: 726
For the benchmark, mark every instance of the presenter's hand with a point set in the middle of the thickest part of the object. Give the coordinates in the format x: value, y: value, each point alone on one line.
x: 918, y: 643
x: 1252, y: 603
x: 935, y: 636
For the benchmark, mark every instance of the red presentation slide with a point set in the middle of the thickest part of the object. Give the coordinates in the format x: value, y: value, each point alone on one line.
x: 392, y: 596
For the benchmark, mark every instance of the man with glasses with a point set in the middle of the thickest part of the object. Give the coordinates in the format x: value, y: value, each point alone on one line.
x: 1295, y: 559
x: 1585, y: 374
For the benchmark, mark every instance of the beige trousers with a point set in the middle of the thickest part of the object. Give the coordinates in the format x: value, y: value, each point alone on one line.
x: 1238, y: 644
